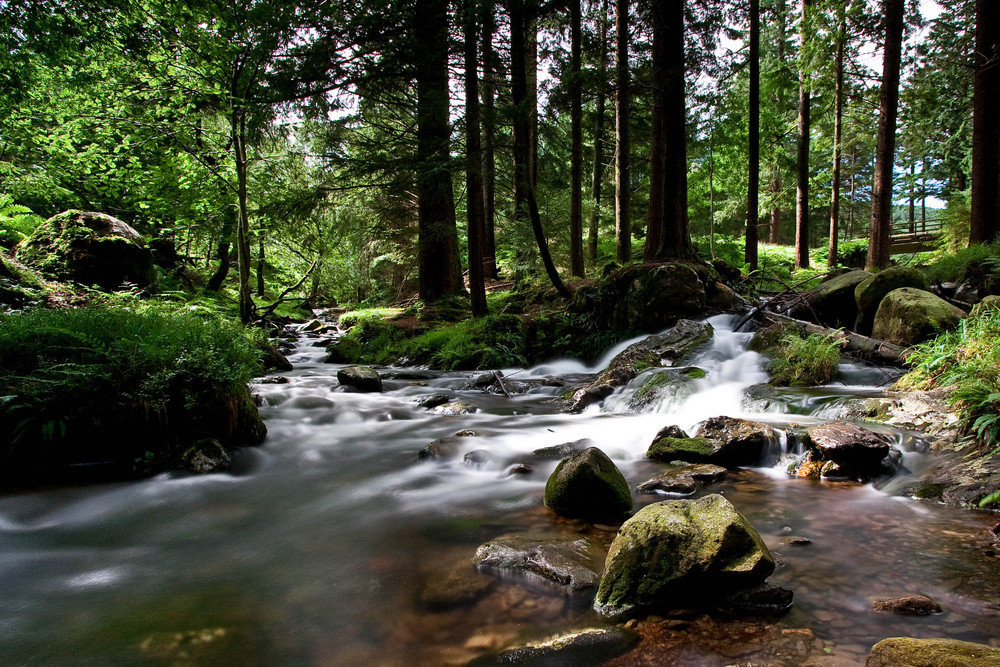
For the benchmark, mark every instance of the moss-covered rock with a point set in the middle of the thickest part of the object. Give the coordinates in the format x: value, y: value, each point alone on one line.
x: 911, y: 652
x: 588, y: 485
x: 869, y: 294
x: 694, y: 450
x: 670, y: 385
x: 90, y: 249
x: 909, y: 316
x: 344, y: 350
x: 681, y: 554
x: 832, y: 303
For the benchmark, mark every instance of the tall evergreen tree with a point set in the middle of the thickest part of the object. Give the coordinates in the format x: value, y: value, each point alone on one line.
x: 623, y: 140
x: 802, y: 155
x: 986, y: 125
x: 881, y: 225
x: 473, y: 161
x: 753, y: 139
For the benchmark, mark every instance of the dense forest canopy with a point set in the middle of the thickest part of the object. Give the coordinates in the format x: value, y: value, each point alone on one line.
x: 341, y: 139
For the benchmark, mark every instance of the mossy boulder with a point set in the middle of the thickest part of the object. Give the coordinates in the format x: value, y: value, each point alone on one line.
x: 681, y: 554
x: 987, y: 305
x: 694, y: 450
x: 723, y: 441
x: 908, y: 316
x: 588, y: 485
x: 911, y: 652
x: 832, y: 303
x: 360, y: 378
x: 869, y: 294
x: 90, y: 249
x: 656, y: 295
x: 344, y: 350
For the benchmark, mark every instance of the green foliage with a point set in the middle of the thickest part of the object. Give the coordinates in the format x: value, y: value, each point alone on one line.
x: 72, y: 375
x: 494, y: 341
x: 801, y: 361
x: 16, y: 221
x: 948, y: 265
x: 968, y: 361
x: 851, y: 253
x: 366, y: 316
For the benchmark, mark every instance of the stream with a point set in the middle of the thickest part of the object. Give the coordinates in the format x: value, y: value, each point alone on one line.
x: 316, y: 549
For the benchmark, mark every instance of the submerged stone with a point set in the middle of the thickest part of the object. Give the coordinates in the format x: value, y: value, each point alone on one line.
x: 569, y: 562
x: 459, y: 588
x: 588, y: 485
x: 586, y: 647
x: 909, y: 605
x: 682, y: 554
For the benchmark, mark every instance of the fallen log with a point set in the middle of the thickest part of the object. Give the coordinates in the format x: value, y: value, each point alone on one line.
x: 862, y: 347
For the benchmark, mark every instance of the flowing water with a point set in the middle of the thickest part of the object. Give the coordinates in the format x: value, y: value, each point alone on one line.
x: 317, y: 548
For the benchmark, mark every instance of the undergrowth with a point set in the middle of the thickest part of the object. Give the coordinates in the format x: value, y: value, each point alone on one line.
x: 73, y: 377
x: 808, y: 361
x: 968, y: 361
x: 494, y: 341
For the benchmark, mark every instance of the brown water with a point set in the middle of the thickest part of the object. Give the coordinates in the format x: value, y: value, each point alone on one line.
x: 318, y: 549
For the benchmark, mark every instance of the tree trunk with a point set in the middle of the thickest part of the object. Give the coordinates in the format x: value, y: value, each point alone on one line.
x: 531, y: 72
x: 222, y: 250
x: 753, y: 139
x: 802, y: 159
x: 838, y: 124
x: 473, y: 164
x: 623, y: 213
x: 912, y: 214
x: 658, y: 140
x: 521, y: 134
x: 260, y: 264
x: 885, y: 149
x: 439, y: 267
x: 576, y: 149
x: 774, y: 235
x: 675, y: 242
x: 598, y: 172
x: 489, y: 88
x: 986, y: 125
x: 243, y: 258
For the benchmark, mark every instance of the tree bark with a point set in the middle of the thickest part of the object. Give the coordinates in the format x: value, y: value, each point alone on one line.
x: 598, y: 172
x: 658, y: 140
x: 753, y: 139
x: 490, y: 73
x: 774, y: 233
x: 439, y: 267
x: 675, y: 242
x: 222, y: 250
x: 838, y: 118
x: 261, y: 263
x: 521, y: 135
x: 576, y: 140
x: 986, y: 125
x: 802, y: 159
x: 777, y: 187
x: 243, y: 258
x: 475, y: 207
x: 623, y: 147
x: 885, y: 149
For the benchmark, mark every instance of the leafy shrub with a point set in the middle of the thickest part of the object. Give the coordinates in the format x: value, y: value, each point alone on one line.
x: 951, y: 266
x: 366, y: 315
x: 853, y: 253
x: 112, y: 382
x: 808, y: 361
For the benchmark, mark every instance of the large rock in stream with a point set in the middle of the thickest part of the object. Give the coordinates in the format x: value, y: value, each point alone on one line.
x: 588, y: 485
x: 723, y: 441
x: 681, y: 554
x: 832, y: 303
x: 360, y: 378
x: 667, y: 349
x: 90, y: 249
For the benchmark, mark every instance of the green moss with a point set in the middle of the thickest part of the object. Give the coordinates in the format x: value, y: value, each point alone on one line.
x: 929, y: 492
x: 670, y: 449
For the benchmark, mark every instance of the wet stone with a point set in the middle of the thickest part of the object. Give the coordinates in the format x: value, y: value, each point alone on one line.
x: 518, y: 469
x: 477, y: 458
x: 456, y: 408
x: 909, y: 605
x: 683, y: 481
x: 570, y: 562
x: 433, y: 401
x: 764, y: 600
x: 559, y: 452
x: 587, y: 647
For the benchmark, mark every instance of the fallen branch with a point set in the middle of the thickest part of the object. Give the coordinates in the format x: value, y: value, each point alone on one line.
x: 869, y: 349
x: 266, y: 311
x: 500, y: 382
